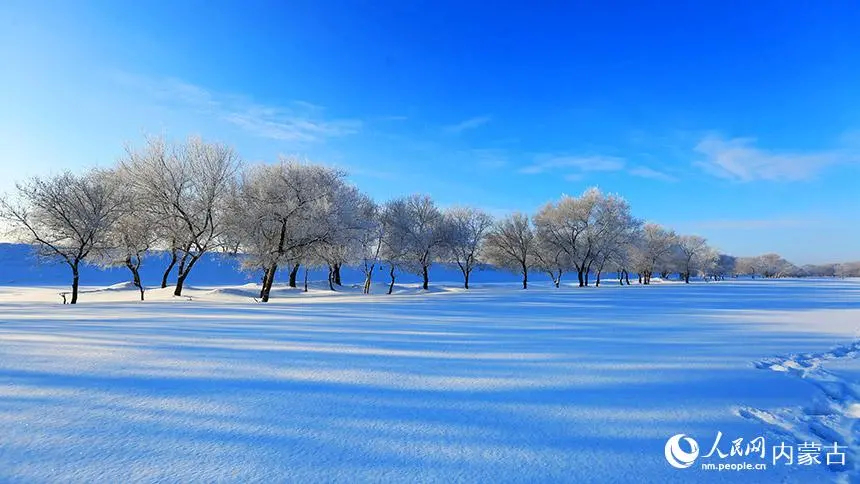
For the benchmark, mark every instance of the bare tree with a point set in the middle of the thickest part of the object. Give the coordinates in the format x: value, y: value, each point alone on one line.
x: 188, y: 185
x: 346, y: 220
x: 746, y: 266
x: 370, y: 240
x: 169, y: 230
x: 692, y: 248
x: 563, y: 225
x: 416, y: 220
x: 652, y: 249
x: 467, y: 228
x: 586, y: 229
x: 395, y: 241
x: 131, y: 236
x: 609, y: 233
x: 551, y: 258
x: 773, y: 265
x: 622, y: 257
x: 511, y: 245
x: 67, y: 217
x: 279, y: 211
x: 724, y: 266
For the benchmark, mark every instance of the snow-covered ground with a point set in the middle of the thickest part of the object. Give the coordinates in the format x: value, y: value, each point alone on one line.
x: 494, y: 384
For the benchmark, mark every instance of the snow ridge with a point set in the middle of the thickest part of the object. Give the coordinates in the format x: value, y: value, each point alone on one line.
x: 833, y: 417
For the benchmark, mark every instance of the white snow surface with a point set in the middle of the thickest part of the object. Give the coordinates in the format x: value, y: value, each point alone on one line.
x: 493, y: 384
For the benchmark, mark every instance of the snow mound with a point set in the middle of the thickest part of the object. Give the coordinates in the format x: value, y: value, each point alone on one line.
x: 832, y: 417
x: 121, y: 286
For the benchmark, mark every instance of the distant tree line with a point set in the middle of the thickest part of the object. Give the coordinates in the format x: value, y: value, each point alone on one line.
x: 194, y: 197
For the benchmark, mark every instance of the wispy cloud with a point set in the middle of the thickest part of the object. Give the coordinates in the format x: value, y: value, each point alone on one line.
x: 468, y: 124
x: 651, y: 174
x: 739, y: 159
x: 575, y: 168
x: 298, y: 121
x: 575, y: 165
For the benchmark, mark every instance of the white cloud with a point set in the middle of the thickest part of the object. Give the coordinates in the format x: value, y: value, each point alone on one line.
x: 301, y: 121
x: 650, y: 173
x: 574, y: 164
x: 468, y: 124
x: 738, y: 159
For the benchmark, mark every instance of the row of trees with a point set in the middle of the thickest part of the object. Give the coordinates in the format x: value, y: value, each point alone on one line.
x: 845, y: 269
x: 195, y: 197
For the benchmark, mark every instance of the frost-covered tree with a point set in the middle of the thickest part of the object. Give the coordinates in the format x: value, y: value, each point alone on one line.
x: 466, y: 228
x: 67, y: 217
x: 693, y: 250
x: 564, y: 225
x: 612, y: 227
x: 820, y: 270
x: 551, y: 258
x: 767, y: 265
x: 848, y: 269
x: 773, y: 265
x: 370, y: 237
x: 170, y: 239
x: 344, y: 221
x: 652, y: 250
x: 187, y: 185
x: 131, y: 236
x: 586, y: 228
x: 724, y: 266
x: 747, y: 266
x: 511, y: 245
x: 279, y: 211
x: 416, y: 220
x: 395, y: 243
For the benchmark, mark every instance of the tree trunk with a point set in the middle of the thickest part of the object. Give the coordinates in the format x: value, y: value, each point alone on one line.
x: 687, y: 277
x: 183, y: 261
x: 135, y: 273
x: 367, y: 279
x: 425, y: 273
x: 293, y: 274
x: 337, y: 274
x: 627, y: 277
x: 306, y: 278
x: 331, y: 278
x: 180, y: 281
x: 525, y: 277
x: 640, y: 278
x: 597, y: 282
x: 263, y: 282
x: 391, y: 285
x: 268, y: 280
x: 75, y: 279
x: 184, y: 270
x: 579, y: 275
x: 466, y: 279
x: 588, y: 271
x: 173, y: 259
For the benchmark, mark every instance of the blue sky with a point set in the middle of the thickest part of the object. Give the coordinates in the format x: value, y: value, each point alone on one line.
x: 738, y: 121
